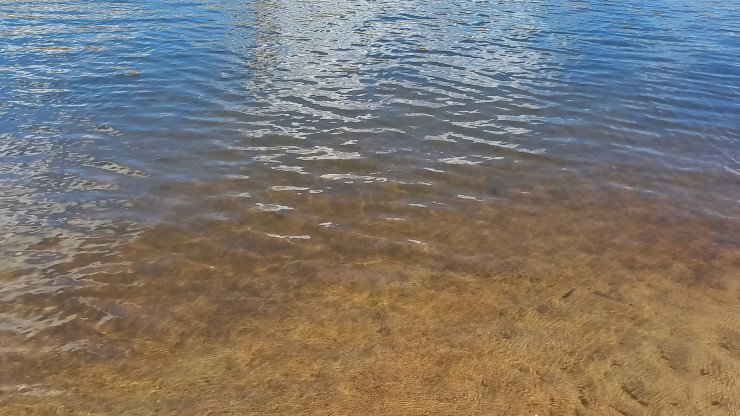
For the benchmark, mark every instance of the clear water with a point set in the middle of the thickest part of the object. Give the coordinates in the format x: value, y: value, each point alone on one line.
x: 252, y: 207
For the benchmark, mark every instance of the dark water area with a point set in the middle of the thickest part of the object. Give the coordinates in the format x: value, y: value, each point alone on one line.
x: 364, y: 207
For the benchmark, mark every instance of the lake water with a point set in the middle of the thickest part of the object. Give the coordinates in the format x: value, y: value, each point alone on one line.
x: 370, y: 207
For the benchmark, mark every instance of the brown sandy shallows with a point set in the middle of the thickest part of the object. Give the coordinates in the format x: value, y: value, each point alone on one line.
x: 223, y: 319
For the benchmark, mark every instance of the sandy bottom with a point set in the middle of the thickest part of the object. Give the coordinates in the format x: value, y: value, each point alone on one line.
x: 458, y: 310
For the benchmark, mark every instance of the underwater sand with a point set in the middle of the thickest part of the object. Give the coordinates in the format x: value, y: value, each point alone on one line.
x: 357, y: 207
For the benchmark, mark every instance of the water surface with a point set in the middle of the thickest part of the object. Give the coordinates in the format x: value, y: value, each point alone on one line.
x: 362, y: 207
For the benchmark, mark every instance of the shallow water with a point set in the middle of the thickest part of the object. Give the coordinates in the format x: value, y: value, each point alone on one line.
x: 360, y: 207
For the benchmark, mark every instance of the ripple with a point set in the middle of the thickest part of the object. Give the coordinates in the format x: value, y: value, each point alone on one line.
x: 459, y: 160
x: 350, y: 178
x: 273, y: 207
x: 288, y: 188
x: 290, y: 237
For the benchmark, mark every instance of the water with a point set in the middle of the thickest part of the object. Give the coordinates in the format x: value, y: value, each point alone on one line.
x: 369, y: 207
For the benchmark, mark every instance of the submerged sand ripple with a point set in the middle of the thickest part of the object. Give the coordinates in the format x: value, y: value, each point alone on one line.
x: 359, y: 321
